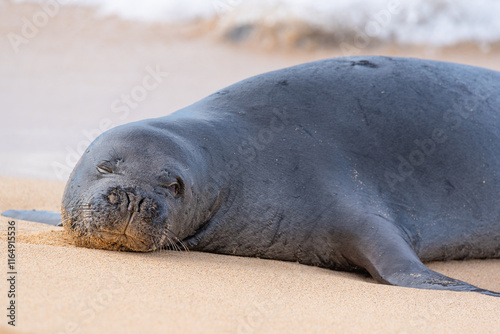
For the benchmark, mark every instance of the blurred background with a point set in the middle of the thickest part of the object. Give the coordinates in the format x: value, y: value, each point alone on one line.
x: 70, y: 70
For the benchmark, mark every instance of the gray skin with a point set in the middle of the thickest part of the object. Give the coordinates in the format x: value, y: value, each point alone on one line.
x: 360, y: 164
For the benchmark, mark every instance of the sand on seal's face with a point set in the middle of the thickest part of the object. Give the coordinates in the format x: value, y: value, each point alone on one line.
x: 63, y: 288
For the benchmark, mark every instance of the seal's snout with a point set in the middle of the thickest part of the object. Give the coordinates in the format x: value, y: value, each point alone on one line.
x: 128, y: 203
x: 122, y: 218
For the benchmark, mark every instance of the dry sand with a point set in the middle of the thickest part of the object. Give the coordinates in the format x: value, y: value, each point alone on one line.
x: 64, y: 80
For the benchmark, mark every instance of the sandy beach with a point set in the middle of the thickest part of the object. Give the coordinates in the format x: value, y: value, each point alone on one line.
x: 59, y: 89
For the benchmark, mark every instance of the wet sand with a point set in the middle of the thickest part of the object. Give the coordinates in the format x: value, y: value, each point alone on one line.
x: 58, y: 89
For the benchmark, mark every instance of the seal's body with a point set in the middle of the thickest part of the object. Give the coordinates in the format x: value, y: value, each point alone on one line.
x: 366, y: 163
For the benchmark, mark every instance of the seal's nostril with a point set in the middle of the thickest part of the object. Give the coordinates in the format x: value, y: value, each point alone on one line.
x: 140, y: 204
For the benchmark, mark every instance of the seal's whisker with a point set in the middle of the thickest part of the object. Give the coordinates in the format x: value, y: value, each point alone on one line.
x: 156, y: 246
x: 172, y: 244
x: 85, y: 209
x: 159, y: 246
x: 178, y: 241
x: 175, y: 243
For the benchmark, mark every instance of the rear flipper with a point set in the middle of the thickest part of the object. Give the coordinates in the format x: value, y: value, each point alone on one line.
x: 45, y: 217
x: 383, y: 251
x: 420, y: 277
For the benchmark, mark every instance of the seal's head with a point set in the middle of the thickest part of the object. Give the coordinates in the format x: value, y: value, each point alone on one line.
x: 137, y: 187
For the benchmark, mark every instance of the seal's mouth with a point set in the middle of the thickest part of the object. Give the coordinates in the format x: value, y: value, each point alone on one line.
x: 124, y: 242
x: 111, y: 241
x: 138, y: 236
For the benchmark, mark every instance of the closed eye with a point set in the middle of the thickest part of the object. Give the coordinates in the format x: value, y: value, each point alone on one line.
x: 103, y: 169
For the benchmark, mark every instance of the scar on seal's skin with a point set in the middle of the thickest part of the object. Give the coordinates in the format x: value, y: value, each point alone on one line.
x: 363, y: 63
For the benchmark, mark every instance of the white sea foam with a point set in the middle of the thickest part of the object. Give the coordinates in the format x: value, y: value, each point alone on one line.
x: 431, y: 22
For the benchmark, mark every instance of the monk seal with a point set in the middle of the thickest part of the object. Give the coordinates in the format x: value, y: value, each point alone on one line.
x: 363, y: 164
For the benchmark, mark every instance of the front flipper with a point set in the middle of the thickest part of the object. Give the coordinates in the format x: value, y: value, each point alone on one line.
x: 40, y: 216
x: 381, y: 249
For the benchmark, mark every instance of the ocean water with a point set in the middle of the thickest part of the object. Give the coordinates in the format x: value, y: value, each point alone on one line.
x: 352, y: 22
